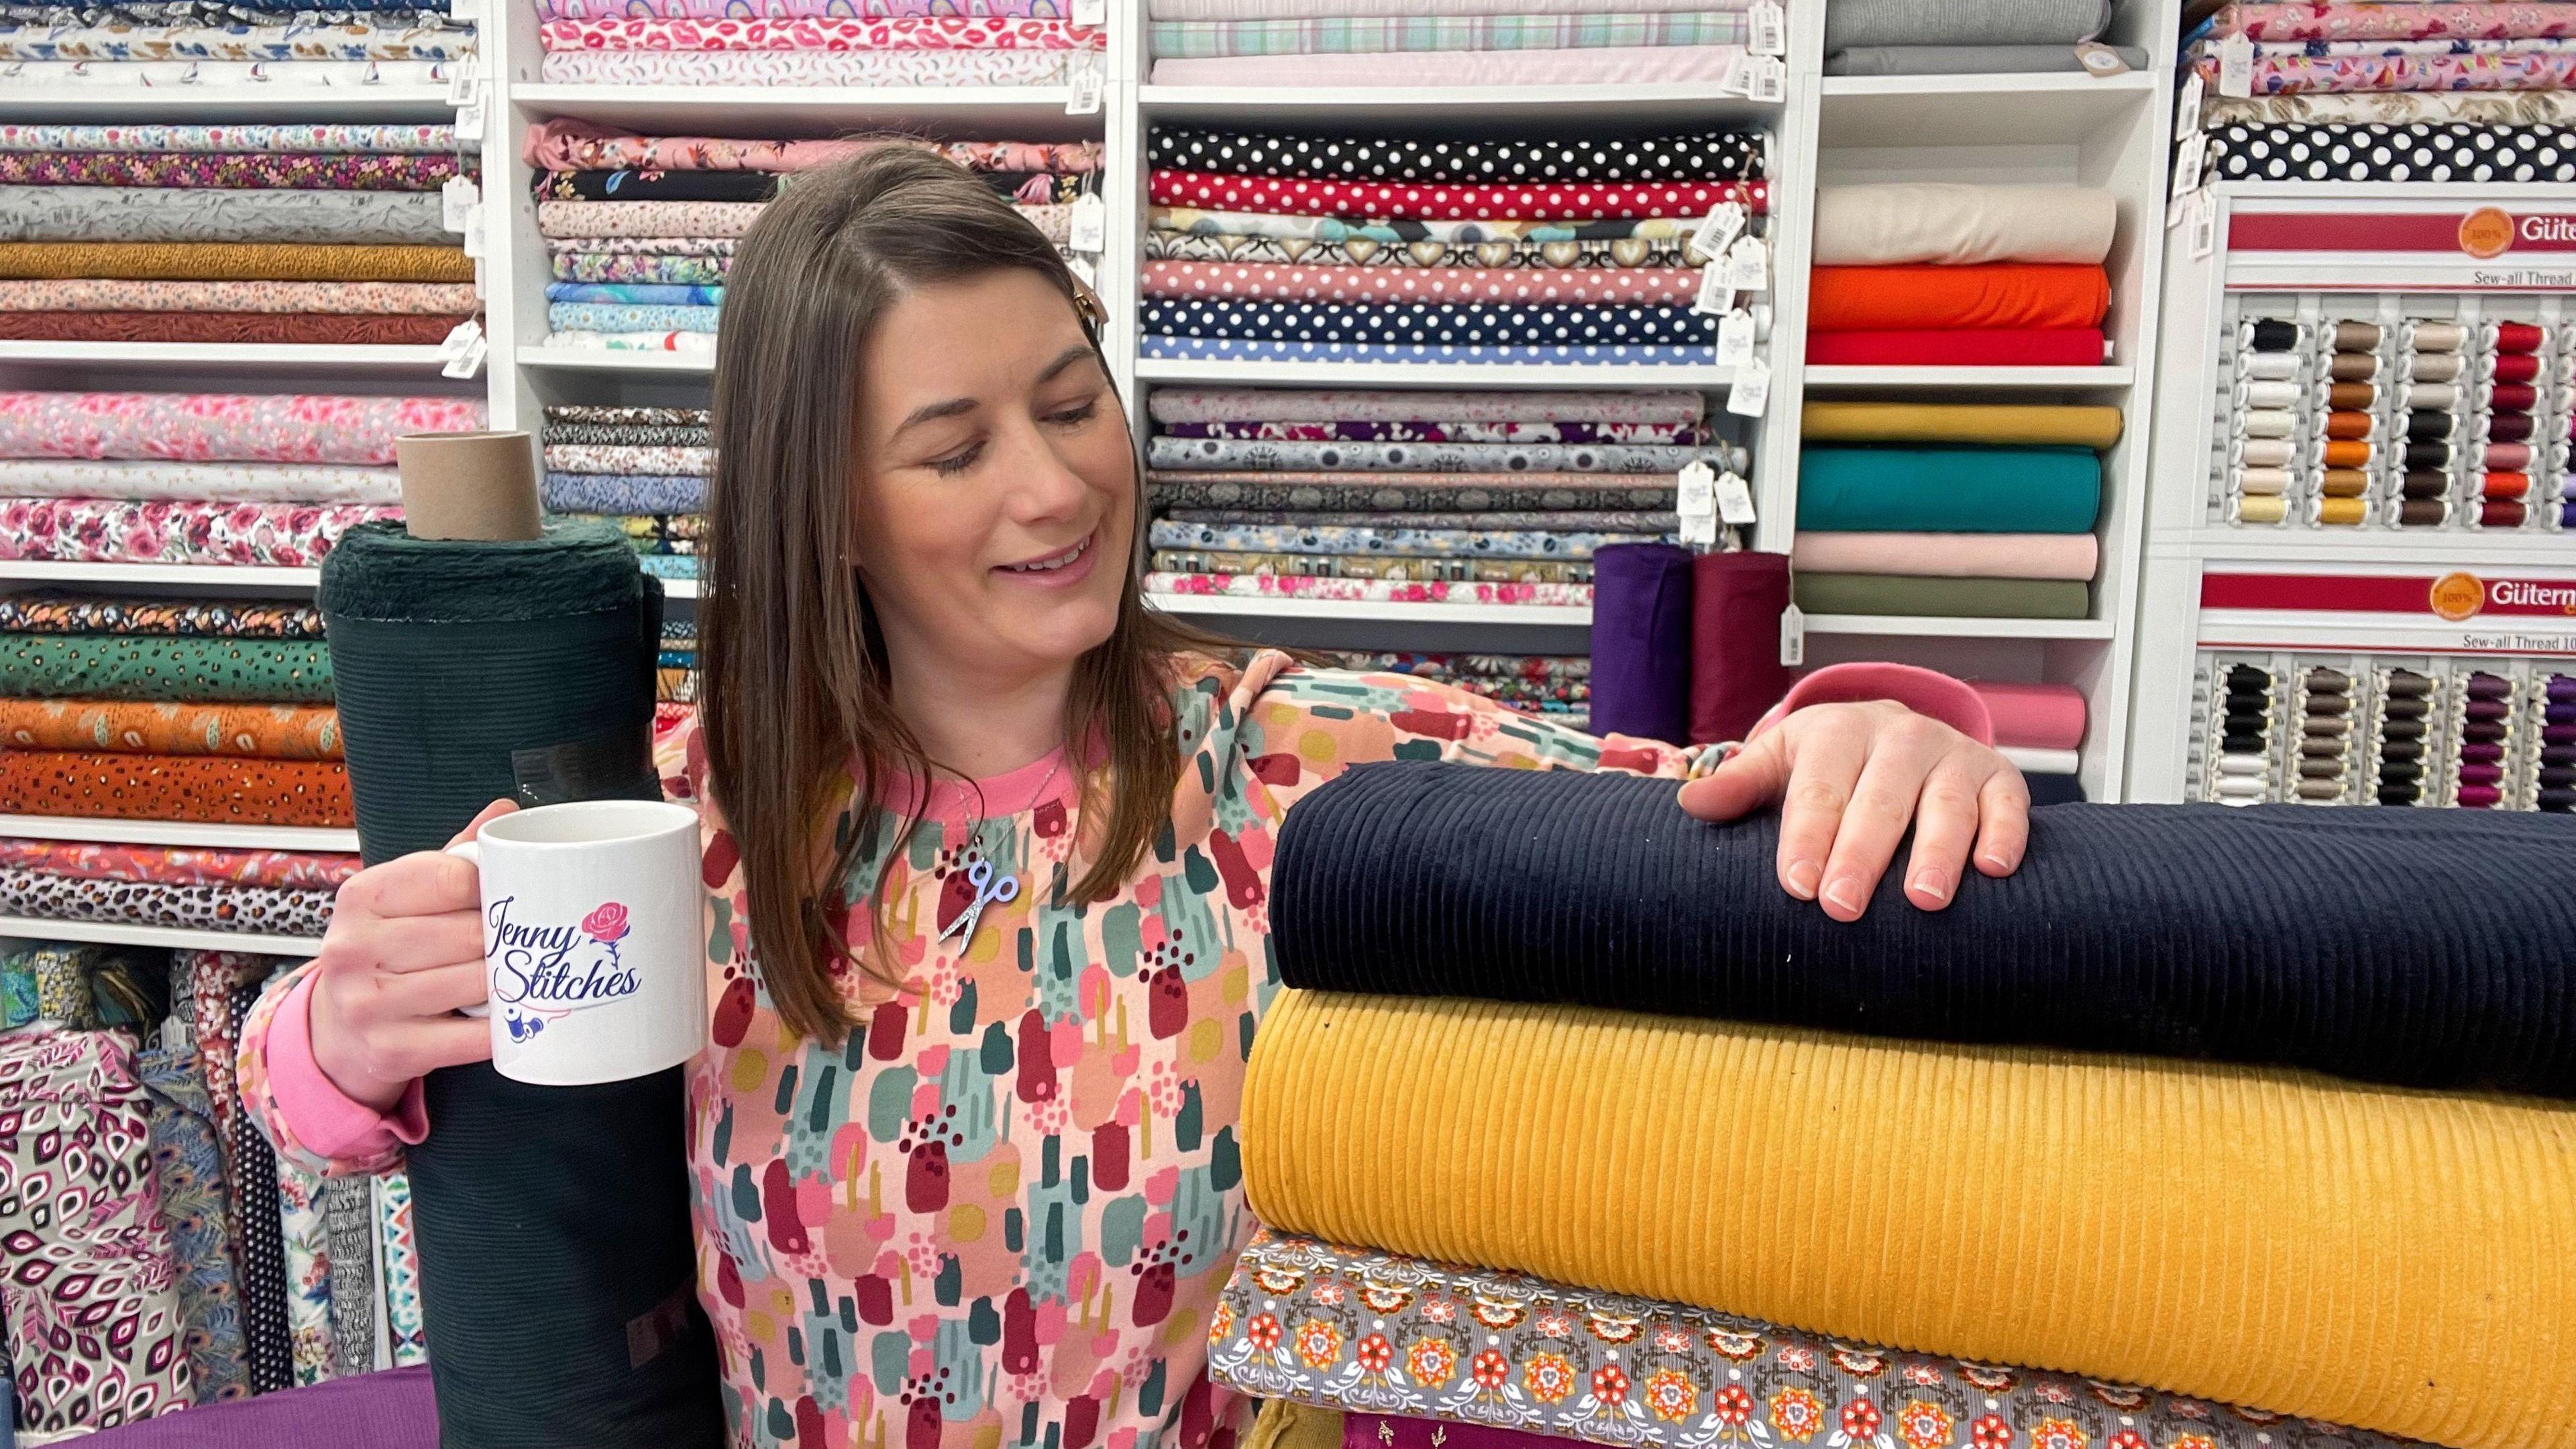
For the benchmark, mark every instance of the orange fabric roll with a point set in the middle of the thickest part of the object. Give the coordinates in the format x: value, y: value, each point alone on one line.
x: 267, y: 731
x: 2347, y: 455
x: 207, y: 789
x: 2348, y: 425
x: 2344, y: 483
x: 1905, y: 299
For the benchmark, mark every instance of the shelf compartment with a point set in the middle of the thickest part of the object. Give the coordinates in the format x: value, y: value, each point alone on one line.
x: 30, y: 928
x: 1966, y: 379
x: 600, y: 359
x: 1913, y: 626
x: 264, y: 356
x: 188, y: 104
x: 1346, y: 107
x: 177, y: 833
x: 1973, y: 110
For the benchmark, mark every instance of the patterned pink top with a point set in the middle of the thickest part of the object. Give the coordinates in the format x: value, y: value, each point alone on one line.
x: 1002, y: 1212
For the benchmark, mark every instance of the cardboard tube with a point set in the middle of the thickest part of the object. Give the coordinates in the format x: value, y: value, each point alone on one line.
x: 480, y: 486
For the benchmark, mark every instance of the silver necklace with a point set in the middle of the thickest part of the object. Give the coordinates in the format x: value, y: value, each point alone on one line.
x: 990, y: 886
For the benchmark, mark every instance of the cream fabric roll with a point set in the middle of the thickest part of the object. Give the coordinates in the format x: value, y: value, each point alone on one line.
x: 1949, y: 555
x: 1955, y: 224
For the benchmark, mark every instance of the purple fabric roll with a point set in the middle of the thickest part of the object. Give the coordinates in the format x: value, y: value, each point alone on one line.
x: 389, y: 1410
x: 1641, y: 641
x: 1735, y: 670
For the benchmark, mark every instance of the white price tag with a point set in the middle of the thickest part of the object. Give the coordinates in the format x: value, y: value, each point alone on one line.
x: 456, y: 201
x: 1716, y: 231
x: 469, y: 362
x: 1751, y: 395
x: 459, y: 337
x: 2187, y: 109
x: 2099, y: 59
x: 2236, y: 66
x: 2188, y: 162
x: 475, y: 245
x: 460, y: 81
x: 1734, y: 499
x: 1695, y: 499
x: 1714, y: 295
x: 1090, y: 224
x: 1735, y: 338
x: 469, y: 117
x: 1769, y: 25
x: 1738, y: 79
x: 1094, y: 13
x: 1770, y: 79
x: 2203, y: 223
x: 1086, y: 84
x: 1793, y: 637
x: 1748, y: 264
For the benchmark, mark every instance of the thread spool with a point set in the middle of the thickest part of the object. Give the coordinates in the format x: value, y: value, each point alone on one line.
x: 2353, y: 367
x: 2267, y: 394
x: 2513, y: 397
x: 2346, y: 453
x: 2270, y: 334
x: 2270, y: 366
x: 2512, y: 337
x: 2341, y: 512
x: 2264, y: 452
x: 2426, y: 335
x: 2240, y: 765
x: 2505, y: 457
x: 2266, y: 424
x: 2263, y: 481
x: 2356, y: 336
x: 2439, y: 395
x: 2480, y: 797
x: 2344, y: 483
x: 2427, y: 426
x: 2427, y: 453
x: 2423, y: 513
x: 2424, y: 484
x: 2261, y: 510
x: 2508, y: 427
x: 2433, y: 367
x: 2350, y: 425
x: 2347, y: 396
x: 2511, y: 367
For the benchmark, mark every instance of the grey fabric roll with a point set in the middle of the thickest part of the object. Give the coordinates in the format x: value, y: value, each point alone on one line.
x: 1966, y: 59
x: 1850, y: 23
x: 172, y: 214
x: 349, y: 1213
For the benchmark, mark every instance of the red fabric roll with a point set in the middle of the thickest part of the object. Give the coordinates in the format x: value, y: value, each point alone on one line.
x: 2012, y: 294
x: 1736, y: 674
x: 304, y: 327
x: 2512, y: 397
x: 2517, y: 337
x: 2516, y: 367
x: 2505, y: 485
x: 2066, y: 347
x: 1451, y: 201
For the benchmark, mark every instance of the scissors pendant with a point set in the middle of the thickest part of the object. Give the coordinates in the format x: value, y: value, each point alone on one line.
x: 980, y: 875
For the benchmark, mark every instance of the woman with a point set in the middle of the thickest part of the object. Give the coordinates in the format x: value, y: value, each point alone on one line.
x: 995, y: 1133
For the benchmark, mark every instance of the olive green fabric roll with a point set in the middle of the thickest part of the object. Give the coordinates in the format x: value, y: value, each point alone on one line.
x: 1942, y: 598
x: 162, y: 667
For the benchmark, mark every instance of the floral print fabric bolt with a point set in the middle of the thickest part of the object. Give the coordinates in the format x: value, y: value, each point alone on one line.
x: 1001, y: 1213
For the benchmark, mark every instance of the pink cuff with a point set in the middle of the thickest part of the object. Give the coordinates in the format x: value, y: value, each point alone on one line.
x: 1924, y: 691
x: 326, y: 1120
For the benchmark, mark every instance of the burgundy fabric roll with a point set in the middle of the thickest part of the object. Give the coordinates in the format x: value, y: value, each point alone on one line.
x: 1736, y: 674
x: 1641, y: 641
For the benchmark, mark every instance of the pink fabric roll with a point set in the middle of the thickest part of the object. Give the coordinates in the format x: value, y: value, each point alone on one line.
x: 1951, y: 555
x: 1674, y: 286
x: 2033, y: 716
x: 1448, y: 201
x: 1609, y: 65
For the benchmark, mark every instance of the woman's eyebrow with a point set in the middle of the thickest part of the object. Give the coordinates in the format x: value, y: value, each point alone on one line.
x: 932, y: 412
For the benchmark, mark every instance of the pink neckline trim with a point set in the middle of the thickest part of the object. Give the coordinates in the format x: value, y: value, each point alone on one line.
x: 994, y: 797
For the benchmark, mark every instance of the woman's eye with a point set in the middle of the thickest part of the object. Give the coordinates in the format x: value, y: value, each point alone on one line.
x: 1076, y: 416
x: 957, y: 462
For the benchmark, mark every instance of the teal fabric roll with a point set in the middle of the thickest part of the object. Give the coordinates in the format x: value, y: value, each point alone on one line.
x: 1949, y: 490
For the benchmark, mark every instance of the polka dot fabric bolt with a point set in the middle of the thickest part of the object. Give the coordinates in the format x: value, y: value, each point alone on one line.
x: 1485, y: 324
x: 2247, y: 152
x: 1686, y: 156
x: 1596, y: 201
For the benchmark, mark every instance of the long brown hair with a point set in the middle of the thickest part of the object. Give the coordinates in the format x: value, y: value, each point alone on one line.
x: 797, y: 692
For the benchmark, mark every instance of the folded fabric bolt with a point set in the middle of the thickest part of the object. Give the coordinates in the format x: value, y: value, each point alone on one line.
x: 2519, y: 108
x: 1660, y: 252
x: 699, y: 342
x: 2455, y: 152
x: 2033, y: 716
x: 213, y: 484
x: 212, y: 790
x: 1290, y: 9
x: 806, y: 67
x: 1256, y: 349
x: 1609, y: 65
x: 2018, y: 347
x: 1415, y: 431
x: 665, y: 270
x: 1350, y: 34
x: 763, y: 186
x: 1969, y: 59
x: 1405, y: 493
x: 1703, y: 1377
x: 228, y: 261
x: 1956, y: 224
x: 638, y: 293
x: 378, y: 139
x: 178, y: 865
x: 2394, y: 21
x: 1186, y: 404
x: 302, y: 76
x: 1950, y: 555
x: 610, y: 493
x: 274, y: 731
x: 1164, y: 453
x: 1929, y: 22
x: 566, y: 144
x: 1941, y: 298
x: 341, y: 171
x: 1677, y: 156
x: 818, y: 33
x: 162, y: 667
x: 596, y: 458
x: 352, y: 298
x: 44, y: 611
x: 1428, y: 284
x: 1941, y: 597
x: 718, y: 247
x: 1447, y: 201
x: 2530, y: 70
x: 106, y: 213
x: 184, y: 907
x: 1949, y: 490
x: 1400, y: 231
x: 261, y: 427
x: 1383, y: 591
x: 646, y: 218
x: 611, y: 317
x: 301, y: 41
x: 310, y: 329
x: 1372, y: 566
x: 1988, y: 424
x: 1395, y: 541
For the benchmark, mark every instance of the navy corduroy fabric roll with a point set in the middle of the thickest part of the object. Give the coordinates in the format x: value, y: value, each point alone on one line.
x: 2269, y: 934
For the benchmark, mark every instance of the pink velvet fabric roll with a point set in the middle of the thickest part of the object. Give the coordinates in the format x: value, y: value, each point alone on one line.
x: 1951, y: 555
x: 2033, y: 716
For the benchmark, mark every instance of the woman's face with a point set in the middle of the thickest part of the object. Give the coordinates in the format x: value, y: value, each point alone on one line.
x: 995, y: 505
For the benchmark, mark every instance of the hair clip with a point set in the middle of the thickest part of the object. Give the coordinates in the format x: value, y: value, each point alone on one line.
x: 1087, y: 301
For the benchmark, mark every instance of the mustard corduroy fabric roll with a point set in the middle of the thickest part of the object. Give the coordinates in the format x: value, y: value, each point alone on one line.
x: 236, y: 262
x: 2396, y: 1260
x: 1989, y: 425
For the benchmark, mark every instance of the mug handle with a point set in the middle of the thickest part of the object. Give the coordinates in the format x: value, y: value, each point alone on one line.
x: 473, y: 851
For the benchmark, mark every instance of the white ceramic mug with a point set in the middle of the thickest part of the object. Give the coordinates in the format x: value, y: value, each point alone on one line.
x: 590, y: 940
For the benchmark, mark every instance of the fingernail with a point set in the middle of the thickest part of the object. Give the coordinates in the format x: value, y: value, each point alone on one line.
x: 1994, y: 862
x: 1931, y: 887
x: 1803, y: 875
x: 1844, y: 895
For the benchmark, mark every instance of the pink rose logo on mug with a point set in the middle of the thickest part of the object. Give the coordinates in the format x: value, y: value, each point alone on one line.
x: 608, y: 923
x: 542, y: 973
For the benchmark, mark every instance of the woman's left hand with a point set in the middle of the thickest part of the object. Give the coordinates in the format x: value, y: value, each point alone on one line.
x: 1850, y: 780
